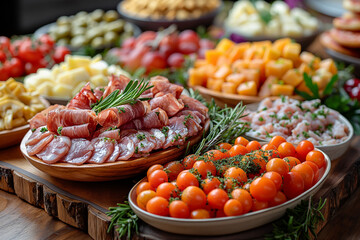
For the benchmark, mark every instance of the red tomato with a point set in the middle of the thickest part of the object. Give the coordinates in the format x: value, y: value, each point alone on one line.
x: 275, y: 177
x: 234, y: 177
x: 210, y: 184
x: 4, y: 43
x: 233, y: 208
x: 60, y: 53
x: 241, y: 141
x: 4, y: 73
x: 292, y: 161
x: 28, y: 52
x: 15, y: 46
x: 157, y: 177
x: 206, y: 44
x: 145, y: 37
x: 143, y: 186
x: 173, y: 169
x: 46, y: 39
x: 238, y: 150
x: 194, y: 197
x: 306, y: 173
x: 153, y: 168
x: 244, y: 198
x: 293, y: 184
x: 315, y: 169
x: 269, y: 147
x: 168, y: 45
x: 2, y: 56
x: 189, y: 36
x: 263, y: 189
x: 215, y: 155
x: 258, y: 205
x: 33, y: 67
x: 225, y: 146
x: 143, y: 198
x: 158, y: 205
x: 317, y: 157
x: 203, y: 167
x: 277, y: 140
x: 135, y: 57
x: 167, y: 190
x: 189, y: 161
x: 253, y: 146
x: 200, y: 214
x: 303, y: 148
x: 153, y: 61
x: 217, y: 198
x: 280, y: 198
x: 186, y: 179
x: 179, y: 209
x: 16, y: 67
x: 277, y: 165
x: 286, y: 150
x: 188, y: 47
x: 176, y: 60
x: 129, y: 43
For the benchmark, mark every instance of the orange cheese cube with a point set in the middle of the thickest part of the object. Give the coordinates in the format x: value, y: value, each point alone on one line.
x: 329, y: 65
x: 222, y: 72
x: 271, y: 54
x: 262, y: 44
x: 237, y: 51
x: 310, y: 59
x: 212, y: 56
x: 239, y: 65
x: 265, y: 90
x: 293, y: 77
x: 236, y: 78
x: 214, y: 84
x: 247, y: 88
x: 252, y: 75
x: 302, y: 87
x: 228, y: 87
x: 280, y: 89
x: 249, y: 53
x: 291, y: 51
x: 278, y: 67
x: 304, y: 68
x: 223, y: 60
x: 200, y: 62
x: 258, y: 64
x: 197, y: 77
x: 224, y: 45
x: 322, y: 78
x: 280, y: 43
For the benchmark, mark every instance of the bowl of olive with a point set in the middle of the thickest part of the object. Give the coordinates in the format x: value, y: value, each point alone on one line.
x: 97, y: 29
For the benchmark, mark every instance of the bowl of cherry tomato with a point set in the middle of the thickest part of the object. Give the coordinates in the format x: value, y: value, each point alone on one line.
x: 229, y: 189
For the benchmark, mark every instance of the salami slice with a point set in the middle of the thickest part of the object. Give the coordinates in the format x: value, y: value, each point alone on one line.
x: 55, y: 150
x: 168, y: 103
x: 103, y: 148
x: 80, y: 151
x: 114, y: 156
x: 127, y: 149
x: 158, y: 137
x: 113, y: 134
x: 37, y: 135
x: 37, y: 147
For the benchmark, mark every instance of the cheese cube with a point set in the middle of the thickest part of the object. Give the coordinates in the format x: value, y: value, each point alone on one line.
x: 62, y: 91
x: 292, y: 51
x: 45, y: 88
x: 247, y: 88
x: 78, y: 88
x: 293, y: 77
x: 77, y: 61
x: 236, y: 78
x: 278, y: 68
x: 73, y: 77
x: 329, y: 65
x: 99, y: 80
x: 99, y: 67
x: 265, y: 90
x: 280, y: 89
x: 228, y: 87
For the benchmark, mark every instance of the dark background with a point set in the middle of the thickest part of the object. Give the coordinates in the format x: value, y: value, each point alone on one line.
x: 25, y: 16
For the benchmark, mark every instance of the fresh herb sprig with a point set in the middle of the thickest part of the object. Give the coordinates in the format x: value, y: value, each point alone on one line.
x: 299, y: 221
x: 124, y: 219
x: 129, y: 95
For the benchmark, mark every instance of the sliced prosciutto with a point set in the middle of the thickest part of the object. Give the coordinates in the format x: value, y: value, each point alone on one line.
x: 55, y: 150
x: 176, y: 132
x: 162, y: 85
x: 193, y: 104
x: 40, y: 118
x: 127, y: 149
x: 80, y: 151
x: 113, y: 134
x: 71, y: 117
x: 168, y: 103
x: 197, y: 116
x: 103, y: 148
x: 117, y: 116
x: 157, y: 118
x: 33, y: 149
x: 84, y: 99
x: 77, y: 131
x: 116, y: 82
x: 143, y: 142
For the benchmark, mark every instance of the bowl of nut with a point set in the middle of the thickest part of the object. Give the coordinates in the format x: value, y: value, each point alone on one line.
x: 155, y: 14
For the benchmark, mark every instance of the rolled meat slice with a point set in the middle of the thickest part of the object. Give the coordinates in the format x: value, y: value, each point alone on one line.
x: 84, y: 99
x: 197, y: 116
x: 157, y: 118
x: 40, y: 118
x: 113, y: 134
x: 116, y: 82
x: 117, y: 116
x: 103, y: 148
x: 80, y: 151
x: 162, y: 85
x: 77, y: 131
x: 193, y: 104
x: 40, y: 145
x: 168, y: 103
x: 37, y: 135
x: 55, y: 150
x: 127, y: 149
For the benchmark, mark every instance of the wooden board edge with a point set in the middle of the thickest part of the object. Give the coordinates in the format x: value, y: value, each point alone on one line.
x: 6, y: 179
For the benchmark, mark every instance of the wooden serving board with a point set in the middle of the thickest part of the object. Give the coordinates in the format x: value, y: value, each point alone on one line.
x: 83, y: 204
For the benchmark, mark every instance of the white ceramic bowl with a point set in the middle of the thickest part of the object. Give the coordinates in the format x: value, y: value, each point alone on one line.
x: 224, y: 225
x: 333, y: 151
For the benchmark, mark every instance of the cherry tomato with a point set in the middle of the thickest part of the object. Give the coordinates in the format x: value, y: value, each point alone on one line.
x: 277, y: 165
x: 215, y: 155
x: 157, y: 177
x: 32, y: 67
x: 153, y: 61
x: 189, y: 161
x: 143, y: 198
x: 158, y: 205
x: 60, y: 53
x: 317, y: 157
x: 277, y: 140
x: 268, y: 147
x: 194, y: 197
x: 176, y: 60
x: 210, y: 184
x: 293, y: 184
x: 203, y: 167
x: 275, y: 177
x: 153, y: 168
x: 253, y: 146
x: 292, y: 161
x: 206, y: 44
x: 306, y: 173
x: 2, y: 56
x: 179, y: 209
x: 199, y: 214
x: 244, y: 198
x: 46, y: 39
x: 186, y: 179
x: 4, y: 72
x: 4, y: 43
x: 217, y: 198
x: 188, y: 47
x: 135, y: 57
x: 258, y: 205
x: 233, y: 208
x: 128, y: 43
x: 260, y: 162
x: 303, y: 148
x: 143, y: 186
x: 238, y: 150
x: 279, y: 198
x: 286, y: 150
x: 168, y: 45
x: 315, y: 169
x: 225, y: 146
x: 145, y: 37
x: 241, y: 141
x: 167, y: 190
x: 189, y: 36
x: 28, y: 52
x: 263, y: 189
x: 15, y: 46
x: 16, y: 67
x: 246, y: 187
x: 234, y: 177
x: 173, y: 169
x: 220, y: 213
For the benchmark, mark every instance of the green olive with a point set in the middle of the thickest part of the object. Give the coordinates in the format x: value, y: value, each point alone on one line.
x: 128, y: 28
x: 94, y: 32
x: 80, y: 22
x: 97, y: 42
x: 81, y: 14
x: 111, y: 15
x: 116, y: 26
x: 78, y: 41
x: 63, y: 20
x: 78, y: 31
x: 63, y: 41
x: 62, y: 31
x: 97, y: 15
x: 110, y: 37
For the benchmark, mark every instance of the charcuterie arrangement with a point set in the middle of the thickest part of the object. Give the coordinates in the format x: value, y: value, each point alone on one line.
x: 99, y: 126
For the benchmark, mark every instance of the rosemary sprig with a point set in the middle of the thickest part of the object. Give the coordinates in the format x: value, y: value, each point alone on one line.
x: 124, y: 219
x: 299, y: 221
x: 129, y: 95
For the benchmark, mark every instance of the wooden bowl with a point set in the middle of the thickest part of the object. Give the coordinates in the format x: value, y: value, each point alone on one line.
x: 229, y: 99
x: 334, y: 151
x: 12, y: 137
x: 56, y: 100
x: 223, y: 225
x: 109, y: 171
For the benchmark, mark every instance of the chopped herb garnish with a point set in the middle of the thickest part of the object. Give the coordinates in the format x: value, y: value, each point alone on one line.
x: 261, y: 119
x: 165, y: 131
x: 43, y: 129
x: 305, y: 134
x: 59, y: 130
x: 33, y: 129
x: 121, y: 109
x: 141, y: 136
